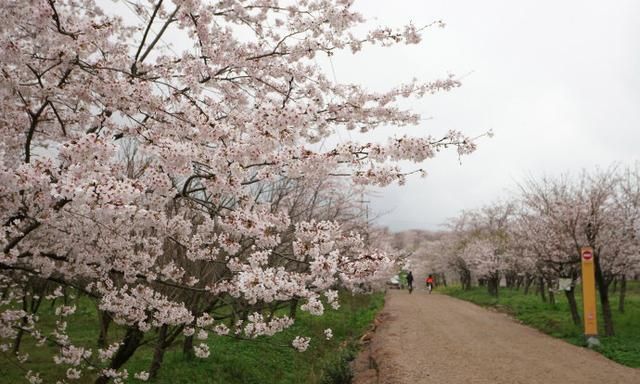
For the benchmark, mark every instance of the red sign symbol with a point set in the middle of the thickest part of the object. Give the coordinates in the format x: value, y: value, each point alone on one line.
x: 587, y: 255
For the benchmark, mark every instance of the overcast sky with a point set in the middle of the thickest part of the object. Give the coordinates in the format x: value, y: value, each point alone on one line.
x: 557, y: 81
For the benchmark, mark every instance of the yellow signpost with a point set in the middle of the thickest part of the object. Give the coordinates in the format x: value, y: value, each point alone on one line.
x: 589, y: 292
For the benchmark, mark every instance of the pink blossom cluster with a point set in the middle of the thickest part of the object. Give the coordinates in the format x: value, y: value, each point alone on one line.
x: 301, y: 343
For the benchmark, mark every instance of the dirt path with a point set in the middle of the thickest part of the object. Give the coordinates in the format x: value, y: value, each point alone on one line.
x: 434, y: 338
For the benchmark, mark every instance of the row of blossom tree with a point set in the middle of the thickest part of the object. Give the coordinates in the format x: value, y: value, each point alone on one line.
x: 535, y: 238
x: 175, y: 183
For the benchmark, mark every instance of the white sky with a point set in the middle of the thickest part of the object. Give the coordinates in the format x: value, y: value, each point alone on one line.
x: 557, y: 81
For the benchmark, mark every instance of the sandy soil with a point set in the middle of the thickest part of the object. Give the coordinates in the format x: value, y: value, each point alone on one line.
x: 422, y: 338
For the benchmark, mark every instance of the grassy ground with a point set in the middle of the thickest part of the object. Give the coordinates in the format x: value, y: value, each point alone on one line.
x: 265, y: 360
x: 556, y: 320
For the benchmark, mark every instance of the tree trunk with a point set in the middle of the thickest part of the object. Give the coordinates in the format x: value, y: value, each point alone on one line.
x: 130, y: 343
x: 543, y: 295
x: 573, y: 306
x: 623, y: 293
x: 468, y: 279
x: 187, y: 348
x: 606, y: 314
x: 527, y: 284
x: 465, y: 279
x: 244, y: 314
x: 552, y: 298
x: 293, y: 308
x: 493, y: 282
x: 158, y: 352
x: 443, y: 278
x: 511, y: 280
x: 603, y: 289
x: 105, y: 321
x: 552, y: 295
x: 18, y: 339
x: 614, y: 289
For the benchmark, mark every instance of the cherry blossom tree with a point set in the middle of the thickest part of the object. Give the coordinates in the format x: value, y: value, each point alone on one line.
x: 590, y: 209
x: 608, y: 228
x: 547, y: 230
x: 452, y: 248
x: 237, y: 107
x: 627, y: 203
x: 484, y: 244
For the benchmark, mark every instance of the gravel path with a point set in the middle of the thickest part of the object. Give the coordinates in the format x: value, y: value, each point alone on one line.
x: 422, y: 338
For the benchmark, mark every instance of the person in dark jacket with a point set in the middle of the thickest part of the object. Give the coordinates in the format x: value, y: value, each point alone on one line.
x: 410, y: 281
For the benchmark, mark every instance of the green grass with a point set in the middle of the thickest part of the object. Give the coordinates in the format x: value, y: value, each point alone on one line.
x: 264, y: 360
x: 555, y: 320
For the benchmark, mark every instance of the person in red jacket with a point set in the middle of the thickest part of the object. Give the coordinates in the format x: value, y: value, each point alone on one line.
x: 429, y: 282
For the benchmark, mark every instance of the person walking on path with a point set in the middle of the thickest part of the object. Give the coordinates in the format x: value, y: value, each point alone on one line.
x: 410, y: 281
x: 430, y: 283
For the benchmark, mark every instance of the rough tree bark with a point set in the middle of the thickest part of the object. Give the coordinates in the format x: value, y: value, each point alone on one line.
x: 293, y: 308
x: 527, y: 284
x: 465, y: 279
x: 543, y: 295
x: 18, y: 339
x: 28, y: 307
x: 552, y: 295
x: 573, y: 306
x: 623, y: 293
x: 130, y: 343
x: 187, y: 348
x: 158, y: 352
x: 165, y: 340
x: 443, y: 278
x: 603, y: 290
x: 492, y: 285
x: 105, y: 321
